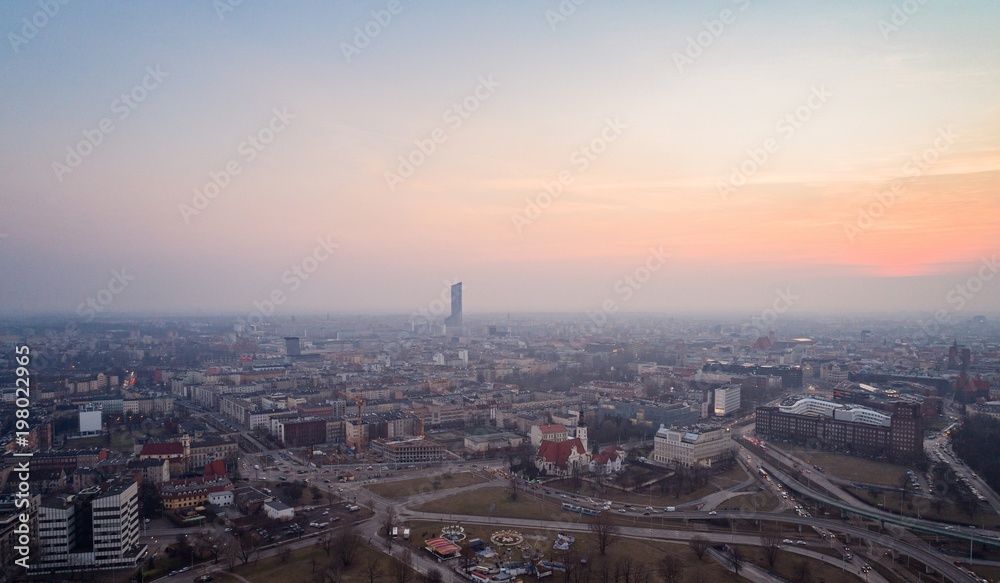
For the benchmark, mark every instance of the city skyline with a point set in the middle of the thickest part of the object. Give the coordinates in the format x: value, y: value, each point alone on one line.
x: 554, y: 157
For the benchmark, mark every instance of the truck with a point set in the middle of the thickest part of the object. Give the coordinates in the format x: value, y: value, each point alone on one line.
x: 671, y: 509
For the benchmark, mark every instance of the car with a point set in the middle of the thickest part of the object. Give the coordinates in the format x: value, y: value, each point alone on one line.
x: 183, y: 569
x: 801, y: 543
x: 712, y: 513
x: 645, y: 513
x: 949, y: 528
x: 326, y: 512
x: 622, y: 510
x: 788, y: 541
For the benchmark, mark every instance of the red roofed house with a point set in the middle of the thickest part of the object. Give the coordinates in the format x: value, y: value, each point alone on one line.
x: 559, y: 458
x: 608, y: 461
x: 540, y: 433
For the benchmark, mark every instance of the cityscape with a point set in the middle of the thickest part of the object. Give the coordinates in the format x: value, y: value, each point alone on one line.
x: 395, y: 292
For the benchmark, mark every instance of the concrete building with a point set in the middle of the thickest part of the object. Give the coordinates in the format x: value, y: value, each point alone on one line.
x: 554, y: 432
x: 279, y: 511
x: 848, y: 428
x: 690, y: 447
x: 727, y: 400
x: 405, y: 451
x: 93, y: 530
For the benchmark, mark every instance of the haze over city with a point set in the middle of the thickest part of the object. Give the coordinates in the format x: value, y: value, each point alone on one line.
x: 668, y: 157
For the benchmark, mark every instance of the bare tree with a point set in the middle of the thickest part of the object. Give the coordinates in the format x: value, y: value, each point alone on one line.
x: 247, y: 546
x: 401, y: 570
x: 325, y: 542
x: 770, y: 538
x: 736, y: 558
x: 671, y: 569
x: 347, y: 544
x: 434, y: 576
x: 604, y: 530
x: 389, y: 519
x: 373, y: 567
x: 699, y: 544
x: 285, y: 554
x: 514, y: 490
x: 802, y: 571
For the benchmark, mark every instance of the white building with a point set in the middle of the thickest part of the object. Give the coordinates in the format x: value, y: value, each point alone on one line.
x: 687, y: 448
x: 279, y: 511
x: 727, y: 400
x: 109, y: 541
x: 221, y: 498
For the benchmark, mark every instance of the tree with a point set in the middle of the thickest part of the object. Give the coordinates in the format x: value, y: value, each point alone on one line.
x: 325, y: 542
x: 699, y: 544
x: 401, y: 570
x: 604, y: 530
x: 736, y: 558
x: 770, y: 538
x: 247, y: 545
x: 348, y: 544
x: 373, y: 567
x: 434, y: 576
x: 671, y: 569
x: 802, y: 571
x: 514, y: 490
x: 285, y: 554
x: 389, y: 519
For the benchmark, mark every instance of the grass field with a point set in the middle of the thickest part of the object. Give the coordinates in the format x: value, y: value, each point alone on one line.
x: 984, y: 517
x: 404, y: 488
x: 716, y: 482
x: 763, y: 501
x: 479, y: 502
x: 787, y: 566
x: 303, y: 564
x: 849, y: 467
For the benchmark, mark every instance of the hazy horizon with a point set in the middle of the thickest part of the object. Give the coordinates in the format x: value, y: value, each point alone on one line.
x: 697, y: 157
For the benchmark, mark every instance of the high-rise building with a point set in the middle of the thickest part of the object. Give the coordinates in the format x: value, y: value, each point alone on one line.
x: 95, y: 529
x: 727, y: 400
x: 455, y: 319
x: 292, y: 346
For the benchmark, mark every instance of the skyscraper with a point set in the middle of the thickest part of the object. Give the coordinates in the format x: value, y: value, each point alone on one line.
x: 455, y: 319
x: 292, y: 346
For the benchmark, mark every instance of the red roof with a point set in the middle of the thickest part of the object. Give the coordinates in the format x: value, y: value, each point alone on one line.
x: 215, y: 468
x: 608, y: 455
x: 162, y: 449
x: 558, y: 452
x: 552, y: 429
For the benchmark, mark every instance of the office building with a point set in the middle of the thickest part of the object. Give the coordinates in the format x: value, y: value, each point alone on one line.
x: 689, y: 447
x: 95, y: 529
x: 848, y: 428
x: 455, y: 319
x: 727, y: 400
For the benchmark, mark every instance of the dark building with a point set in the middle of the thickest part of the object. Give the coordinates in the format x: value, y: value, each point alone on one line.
x: 902, y: 439
x: 791, y: 376
x: 455, y: 319
x: 304, y: 432
x: 292, y: 346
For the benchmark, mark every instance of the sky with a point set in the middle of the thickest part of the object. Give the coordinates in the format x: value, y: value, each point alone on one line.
x: 361, y: 156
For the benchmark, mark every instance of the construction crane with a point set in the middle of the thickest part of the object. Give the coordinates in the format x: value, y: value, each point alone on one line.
x: 359, y: 402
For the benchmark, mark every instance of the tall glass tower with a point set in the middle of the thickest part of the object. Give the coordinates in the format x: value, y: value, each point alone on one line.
x: 455, y: 319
